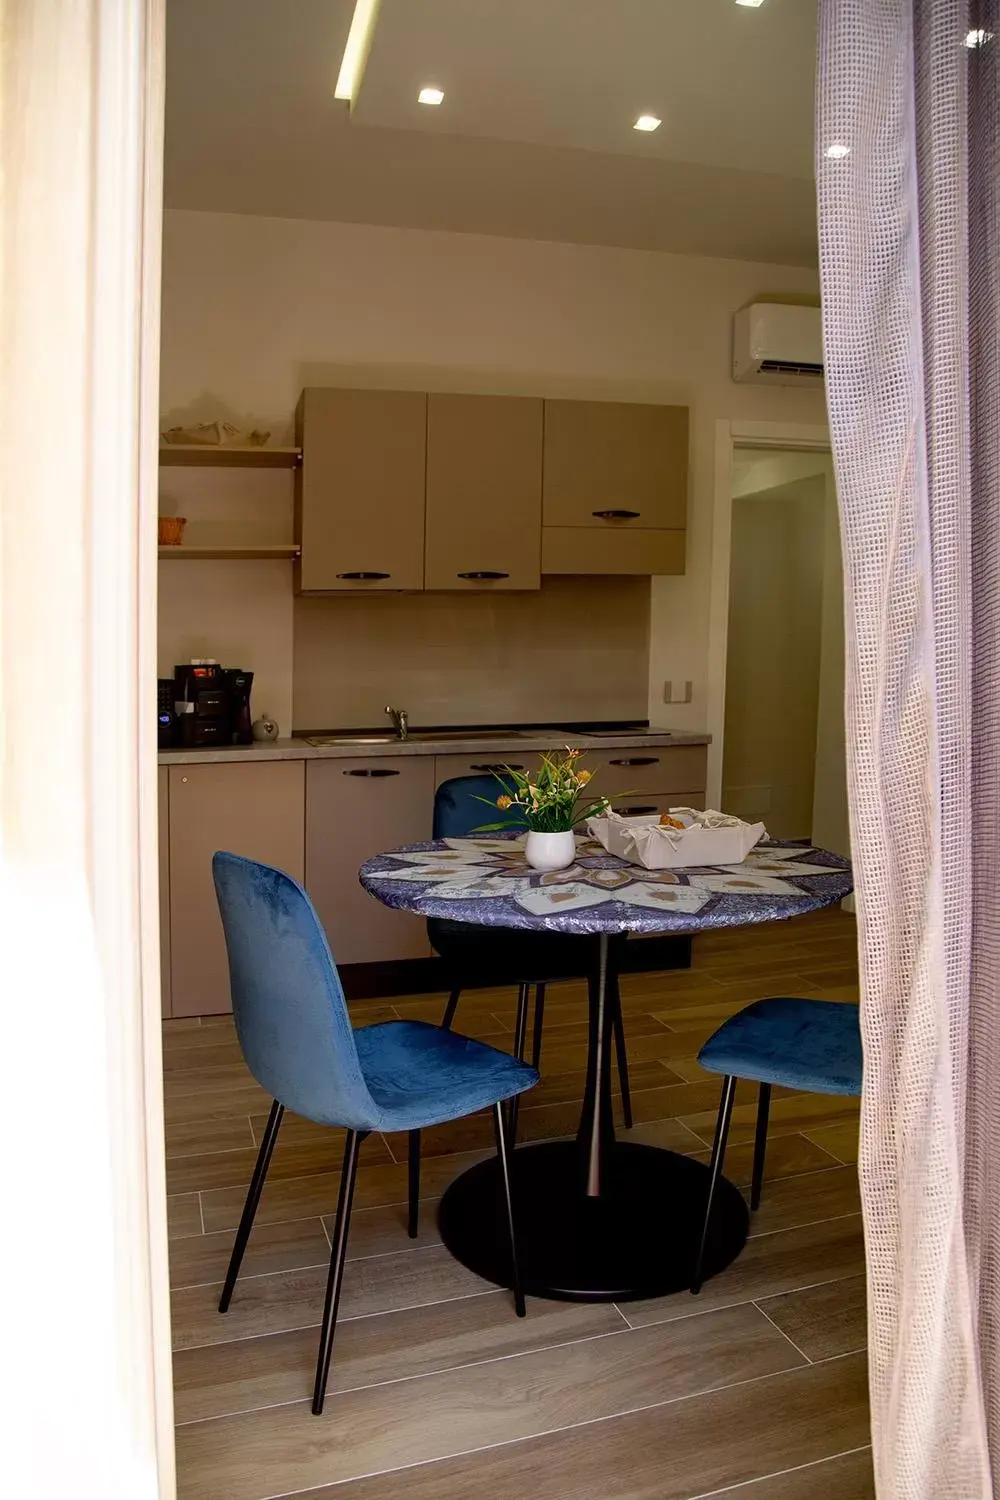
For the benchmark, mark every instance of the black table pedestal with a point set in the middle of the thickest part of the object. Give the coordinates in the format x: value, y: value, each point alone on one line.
x: 637, y: 1239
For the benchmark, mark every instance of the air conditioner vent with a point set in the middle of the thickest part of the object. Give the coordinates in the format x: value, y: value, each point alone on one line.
x: 791, y: 367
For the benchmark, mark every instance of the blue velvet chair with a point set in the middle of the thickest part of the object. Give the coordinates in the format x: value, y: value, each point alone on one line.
x: 810, y: 1045
x: 486, y: 956
x: 299, y: 1044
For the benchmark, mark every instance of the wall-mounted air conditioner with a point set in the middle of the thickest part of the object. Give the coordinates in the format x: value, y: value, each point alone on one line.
x: 777, y: 343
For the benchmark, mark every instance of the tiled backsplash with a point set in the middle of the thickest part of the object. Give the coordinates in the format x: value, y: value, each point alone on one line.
x: 576, y: 649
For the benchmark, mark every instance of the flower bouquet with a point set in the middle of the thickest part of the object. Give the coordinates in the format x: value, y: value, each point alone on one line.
x: 550, y: 802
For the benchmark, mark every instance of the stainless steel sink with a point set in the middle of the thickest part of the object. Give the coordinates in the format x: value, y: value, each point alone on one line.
x: 321, y: 740
x: 417, y: 736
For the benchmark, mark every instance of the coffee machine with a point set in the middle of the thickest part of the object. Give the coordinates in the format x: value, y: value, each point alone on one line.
x: 211, y: 704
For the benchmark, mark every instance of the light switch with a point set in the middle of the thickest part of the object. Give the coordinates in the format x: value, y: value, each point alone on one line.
x: 677, y: 692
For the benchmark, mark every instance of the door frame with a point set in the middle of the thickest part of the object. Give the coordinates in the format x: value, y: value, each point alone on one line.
x: 730, y: 434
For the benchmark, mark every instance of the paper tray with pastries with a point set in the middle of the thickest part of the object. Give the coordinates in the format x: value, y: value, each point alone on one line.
x: 704, y: 838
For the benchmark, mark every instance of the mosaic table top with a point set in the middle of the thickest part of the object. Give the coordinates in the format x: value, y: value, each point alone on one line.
x: 487, y: 881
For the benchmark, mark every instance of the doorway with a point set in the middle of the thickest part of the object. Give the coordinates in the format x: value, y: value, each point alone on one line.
x: 783, y: 757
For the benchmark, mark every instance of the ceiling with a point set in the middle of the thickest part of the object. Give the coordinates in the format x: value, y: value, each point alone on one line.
x: 534, y: 138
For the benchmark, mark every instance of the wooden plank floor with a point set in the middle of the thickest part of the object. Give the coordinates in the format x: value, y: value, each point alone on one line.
x: 756, y: 1390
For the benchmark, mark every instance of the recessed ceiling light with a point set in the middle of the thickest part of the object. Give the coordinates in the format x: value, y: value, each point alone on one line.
x: 430, y: 96
x: 752, y: 4
x: 837, y: 151
x: 978, y: 37
x: 647, y: 122
x: 359, y: 40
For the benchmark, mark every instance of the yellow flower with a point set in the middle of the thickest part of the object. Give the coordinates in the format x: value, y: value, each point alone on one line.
x: 504, y: 802
x: 583, y: 777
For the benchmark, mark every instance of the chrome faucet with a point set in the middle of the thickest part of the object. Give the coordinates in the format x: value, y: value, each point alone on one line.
x: 400, y: 721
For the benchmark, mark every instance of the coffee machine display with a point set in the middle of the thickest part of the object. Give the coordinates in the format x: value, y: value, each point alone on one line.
x: 212, y: 704
x: 166, y: 719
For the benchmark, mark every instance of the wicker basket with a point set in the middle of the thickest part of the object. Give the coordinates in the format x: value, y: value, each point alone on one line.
x: 171, y: 530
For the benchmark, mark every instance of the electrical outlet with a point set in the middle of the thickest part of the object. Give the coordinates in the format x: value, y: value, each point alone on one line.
x: 670, y: 695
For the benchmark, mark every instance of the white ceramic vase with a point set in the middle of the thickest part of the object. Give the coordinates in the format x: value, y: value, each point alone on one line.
x: 550, y: 851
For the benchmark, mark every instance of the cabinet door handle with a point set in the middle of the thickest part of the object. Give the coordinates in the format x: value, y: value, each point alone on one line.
x: 364, y: 577
x: 617, y: 515
x: 497, y: 768
x: 636, y: 760
x: 374, y: 771
x: 633, y: 812
x: 483, y: 575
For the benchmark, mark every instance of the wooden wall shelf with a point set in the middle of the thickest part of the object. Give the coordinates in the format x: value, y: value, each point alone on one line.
x: 209, y: 456
x: 286, y: 550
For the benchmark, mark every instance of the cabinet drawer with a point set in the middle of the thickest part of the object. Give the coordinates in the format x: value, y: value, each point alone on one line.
x: 484, y: 764
x: 659, y: 802
x: 354, y: 809
x: 255, y: 810
x: 582, y: 550
x: 668, y: 769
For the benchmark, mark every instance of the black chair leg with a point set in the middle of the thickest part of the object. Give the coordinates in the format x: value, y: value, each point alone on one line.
x: 519, y: 1306
x: 760, y: 1146
x: 336, y: 1277
x: 715, y: 1170
x: 536, y: 1029
x: 250, y: 1206
x: 520, y: 1038
x: 618, y: 1023
x: 450, y: 1009
x: 413, y: 1173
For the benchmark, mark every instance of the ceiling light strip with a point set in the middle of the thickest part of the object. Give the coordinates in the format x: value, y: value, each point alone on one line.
x: 356, y: 49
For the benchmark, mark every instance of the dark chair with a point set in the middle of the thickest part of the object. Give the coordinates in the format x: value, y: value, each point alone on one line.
x: 811, y: 1045
x: 299, y: 1044
x: 487, y: 956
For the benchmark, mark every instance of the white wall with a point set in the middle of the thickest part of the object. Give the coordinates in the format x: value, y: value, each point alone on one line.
x: 253, y: 309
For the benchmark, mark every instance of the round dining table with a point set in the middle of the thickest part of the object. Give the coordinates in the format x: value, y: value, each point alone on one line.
x: 598, y: 1218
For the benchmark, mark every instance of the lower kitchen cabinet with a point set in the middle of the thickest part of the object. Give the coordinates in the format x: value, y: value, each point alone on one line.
x: 659, y: 769
x: 163, y: 840
x: 255, y: 810
x: 354, y: 809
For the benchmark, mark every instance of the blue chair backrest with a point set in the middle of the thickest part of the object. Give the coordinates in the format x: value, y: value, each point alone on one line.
x: 289, y: 1007
x: 457, y: 813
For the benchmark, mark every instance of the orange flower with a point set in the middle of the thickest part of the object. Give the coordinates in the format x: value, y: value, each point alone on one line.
x: 583, y: 777
x: 504, y: 802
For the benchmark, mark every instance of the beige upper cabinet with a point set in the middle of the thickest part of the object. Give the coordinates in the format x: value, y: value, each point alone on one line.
x: 615, y: 487
x: 484, y: 492
x: 614, y: 463
x: 359, y: 499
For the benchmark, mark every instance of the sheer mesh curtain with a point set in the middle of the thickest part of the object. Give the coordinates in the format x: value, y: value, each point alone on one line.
x: 909, y: 251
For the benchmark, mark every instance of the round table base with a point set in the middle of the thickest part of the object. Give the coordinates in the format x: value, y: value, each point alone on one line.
x: 638, y: 1239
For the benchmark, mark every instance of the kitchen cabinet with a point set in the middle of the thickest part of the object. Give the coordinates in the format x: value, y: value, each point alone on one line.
x: 579, y: 550
x: 163, y: 841
x: 354, y: 809
x: 487, y: 763
x: 659, y: 769
x: 614, y: 495
x: 359, y: 493
x: 484, y: 492
x: 658, y: 802
x: 255, y: 810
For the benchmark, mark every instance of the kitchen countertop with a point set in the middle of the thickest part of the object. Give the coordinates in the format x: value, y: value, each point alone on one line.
x: 450, y: 744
